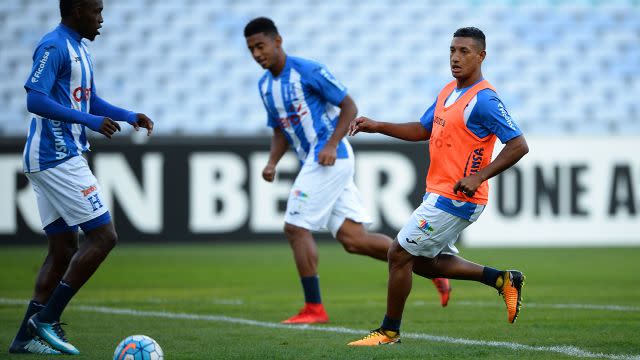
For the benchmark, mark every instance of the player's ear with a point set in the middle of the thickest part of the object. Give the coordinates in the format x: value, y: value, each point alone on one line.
x: 278, y: 40
x: 76, y: 12
x: 482, y: 54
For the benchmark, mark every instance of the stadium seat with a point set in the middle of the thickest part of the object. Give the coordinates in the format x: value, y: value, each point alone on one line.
x: 187, y: 66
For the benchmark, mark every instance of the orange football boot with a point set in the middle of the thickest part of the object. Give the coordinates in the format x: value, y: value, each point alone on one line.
x: 310, y: 314
x: 444, y: 289
x: 511, y: 291
x: 378, y: 337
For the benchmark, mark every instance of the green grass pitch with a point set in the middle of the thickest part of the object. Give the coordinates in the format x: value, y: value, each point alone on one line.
x: 226, y: 302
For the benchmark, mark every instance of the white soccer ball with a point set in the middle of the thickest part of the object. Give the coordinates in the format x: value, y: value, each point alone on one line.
x: 138, y: 347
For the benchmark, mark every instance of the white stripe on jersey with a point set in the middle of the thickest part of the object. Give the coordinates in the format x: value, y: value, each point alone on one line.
x: 75, y: 79
x: 302, y: 107
x: 87, y: 76
x: 77, y: 128
x: 467, y: 110
x: 87, y: 146
x: 34, y: 155
x: 276, y: 93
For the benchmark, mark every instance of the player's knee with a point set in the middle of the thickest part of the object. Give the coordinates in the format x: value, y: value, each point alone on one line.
x: 350, y: 243
x: 352, y: 236
x: 396, y: 254
x: 350, y: 246
x: 105, y: 239
x: 112, y: 239
x: 67, y: 253
x: 292, y: 232
x: 61, y: 254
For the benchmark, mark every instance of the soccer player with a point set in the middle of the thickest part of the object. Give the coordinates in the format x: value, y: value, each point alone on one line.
x: 61, y: 95
x: 461, y: 126
x: 300, y: 97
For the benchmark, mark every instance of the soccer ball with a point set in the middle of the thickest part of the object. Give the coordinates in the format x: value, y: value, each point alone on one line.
x: 138, y: 347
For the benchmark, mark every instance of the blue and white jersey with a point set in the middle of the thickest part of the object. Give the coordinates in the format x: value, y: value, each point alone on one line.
x: 302, y: 100
x: 62, y: 70
x: 484, y: 115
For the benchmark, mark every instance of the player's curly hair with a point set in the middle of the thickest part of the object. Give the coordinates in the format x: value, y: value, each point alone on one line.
x: 260, y: 25
x: 66, y: 6
x: 474, y: 33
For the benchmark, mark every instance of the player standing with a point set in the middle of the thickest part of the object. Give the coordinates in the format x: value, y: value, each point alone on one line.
x: 461, y: 126
x: 61, y: 95
x: 310, y: 110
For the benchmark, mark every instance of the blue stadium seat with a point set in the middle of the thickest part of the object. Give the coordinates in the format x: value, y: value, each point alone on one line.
x: 186, y: 63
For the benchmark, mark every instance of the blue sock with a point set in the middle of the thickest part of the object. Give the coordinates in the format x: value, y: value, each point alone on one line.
x: 490, y: 276
x: 58, y: 301
x: 391, y: 324
x: 33, y: 308
x: 311, y: 287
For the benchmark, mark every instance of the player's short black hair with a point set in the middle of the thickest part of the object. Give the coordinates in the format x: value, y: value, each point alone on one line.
x: 66, y: 6
x: 474, y: 33
x: 260, y: 25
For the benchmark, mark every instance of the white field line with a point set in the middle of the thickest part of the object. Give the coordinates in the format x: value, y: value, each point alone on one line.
x: 559, y: 349
x: 555, y: 306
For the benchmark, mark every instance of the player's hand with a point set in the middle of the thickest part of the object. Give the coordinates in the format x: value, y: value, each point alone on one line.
x: 468, y: 185
x: 362, y: 124
x: 327, y: 156
x: 142, y: 121
x: 269, y: 173
x: 108, y: 127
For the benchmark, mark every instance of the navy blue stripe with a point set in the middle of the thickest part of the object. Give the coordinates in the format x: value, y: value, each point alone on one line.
x: 96, y: 222
x: 32, y: 131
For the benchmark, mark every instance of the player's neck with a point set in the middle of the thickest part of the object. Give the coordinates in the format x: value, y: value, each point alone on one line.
x: 69, y: 23
x: 279, y: 65
x: 466, y: 82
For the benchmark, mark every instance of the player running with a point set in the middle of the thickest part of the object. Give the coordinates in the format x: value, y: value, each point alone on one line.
x: 310, y: 111
x: 61, y: 95
x: 461, y: 126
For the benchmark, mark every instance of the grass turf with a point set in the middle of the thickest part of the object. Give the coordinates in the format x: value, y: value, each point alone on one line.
x: 258, y: 282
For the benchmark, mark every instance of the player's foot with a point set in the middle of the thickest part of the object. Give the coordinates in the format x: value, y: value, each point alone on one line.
x: 511, y: 291
x: 310, y: 314
x: 53, y: 334
x: 444, y: 289
x: 378, y: 337
x: 32, y: 346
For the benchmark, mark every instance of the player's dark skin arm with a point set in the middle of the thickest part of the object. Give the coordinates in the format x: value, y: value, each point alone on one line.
x: 412, y: 131
x: 513, y: 151
x: 348, y: 111
x: 279, y: 147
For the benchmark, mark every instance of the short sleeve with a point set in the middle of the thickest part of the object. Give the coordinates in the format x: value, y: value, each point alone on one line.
x: 47, y: 61
x: 495, y: 117
x: 272, y: 119
x: 427, y: 118
x: 325, y: 84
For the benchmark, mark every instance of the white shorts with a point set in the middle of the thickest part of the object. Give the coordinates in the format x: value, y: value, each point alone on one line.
x: 322, y: 197
x: 68, y: 190
x: 431, y: 231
